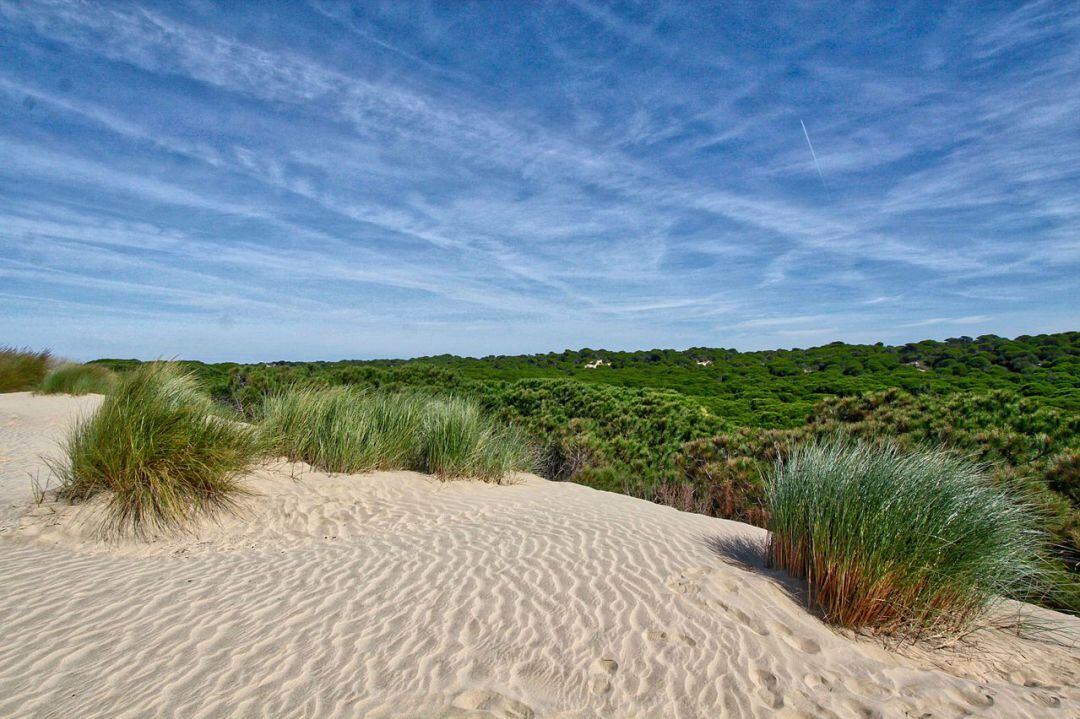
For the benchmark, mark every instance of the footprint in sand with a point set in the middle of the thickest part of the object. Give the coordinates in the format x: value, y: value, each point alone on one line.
x: 470, y: 631
x: 869, y: 688
x: 743, y: 618
x: 803, y: 644
x: 660, y: 636
x: 601, y: 673
x: 824, y: 679
x: 979, y: 697
x: 1046, y: 699
x: 765, y: 678
x: 767, y: 684
x: 682, y: 583
x: 689, y: 585
x: 860, y: 710
x: 690, y: 581
x: 827, y: 681
x: 492, y: 704
x: 727, y: 584
x: 771, y: 698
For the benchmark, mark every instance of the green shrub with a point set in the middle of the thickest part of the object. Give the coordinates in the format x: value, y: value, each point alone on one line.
x: 78, y: 379
x: 1031, y: 449
x: 22, y: 369
x: 157, y: 449
x: 343, y: 429
x: 904, y: 542
x: 1063, y: 475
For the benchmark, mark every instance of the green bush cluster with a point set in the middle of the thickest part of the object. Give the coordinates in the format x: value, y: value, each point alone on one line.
x: 617, y: 438
x: 1031, y: 449
x: 774, y: 388
x: 1031, y: 452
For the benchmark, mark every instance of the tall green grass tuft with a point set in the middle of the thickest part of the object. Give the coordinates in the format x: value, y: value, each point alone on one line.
x: 78, y: 379
x: 156, y: 448
x: 457, y: 440
x: 342, y: 429
x: 22, y: 369
x: 906, y: 543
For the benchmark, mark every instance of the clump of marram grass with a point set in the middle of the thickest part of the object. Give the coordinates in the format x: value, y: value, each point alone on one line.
x: 342, y: 429
x: 158, y: 451
x: 78, y: 379
x: 904, y: 543
x: 457, y: 440
x: 22, y: 369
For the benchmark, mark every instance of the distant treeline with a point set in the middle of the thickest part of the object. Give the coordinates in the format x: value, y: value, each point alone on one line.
x: 774, y: 388
x: 694, y: 428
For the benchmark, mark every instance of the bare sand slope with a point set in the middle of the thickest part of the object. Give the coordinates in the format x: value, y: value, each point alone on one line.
x: 395, y: 595
x: 29, y: 426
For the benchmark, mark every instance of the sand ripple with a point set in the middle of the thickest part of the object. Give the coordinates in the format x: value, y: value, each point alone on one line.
x: 394, y: 595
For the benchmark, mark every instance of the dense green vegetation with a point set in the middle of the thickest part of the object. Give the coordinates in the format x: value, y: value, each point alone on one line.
x: 902, y: 541
x: 22, y: 369
x: 1030, y: 449
x: 609, y: 437
x: 773, y: 388
x: 157, y: 450
x: 696, y: 428
x: 78, y: 379
x: 777, y: 388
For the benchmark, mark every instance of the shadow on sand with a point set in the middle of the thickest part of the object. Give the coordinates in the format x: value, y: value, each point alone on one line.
x: 748, y: 553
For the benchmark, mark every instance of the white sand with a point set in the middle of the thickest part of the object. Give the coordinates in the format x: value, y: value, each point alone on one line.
x: 395, y: 595
x: 30, y: 426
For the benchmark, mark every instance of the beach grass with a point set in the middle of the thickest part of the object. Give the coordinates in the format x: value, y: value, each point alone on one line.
x: 22, y: 369
x: 342, y: 429
x: 911, y: 543
x: 458, y: 440
x: 78, y: 379
x: 159, y: 452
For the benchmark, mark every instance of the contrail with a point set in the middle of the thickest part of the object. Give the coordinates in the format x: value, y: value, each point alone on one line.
x: 812, y: 153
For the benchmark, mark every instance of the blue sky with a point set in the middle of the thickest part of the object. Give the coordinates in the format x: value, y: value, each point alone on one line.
x: 318, y: 180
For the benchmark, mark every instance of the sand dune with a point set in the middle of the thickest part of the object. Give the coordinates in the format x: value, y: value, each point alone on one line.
x: 30, y: 426
x: 395, y: 595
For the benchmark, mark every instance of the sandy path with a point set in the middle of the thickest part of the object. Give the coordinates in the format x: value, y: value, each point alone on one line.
x: 394, y: 595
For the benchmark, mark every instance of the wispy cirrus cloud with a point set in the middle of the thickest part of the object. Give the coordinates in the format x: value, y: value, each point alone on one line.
x: 537, y: 176
x: 970, y: 320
